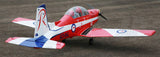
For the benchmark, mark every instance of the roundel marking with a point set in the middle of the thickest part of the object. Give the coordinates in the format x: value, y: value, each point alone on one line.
x: 73, y: 27
x: 121, y: 31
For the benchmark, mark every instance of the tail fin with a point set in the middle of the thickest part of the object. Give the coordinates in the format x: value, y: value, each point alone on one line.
x: 41, y: 24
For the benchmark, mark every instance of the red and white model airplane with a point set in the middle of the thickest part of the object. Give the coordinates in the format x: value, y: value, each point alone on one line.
x: 77, y: 21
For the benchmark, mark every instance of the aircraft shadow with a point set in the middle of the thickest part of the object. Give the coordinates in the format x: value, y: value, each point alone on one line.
x: 104, y: 46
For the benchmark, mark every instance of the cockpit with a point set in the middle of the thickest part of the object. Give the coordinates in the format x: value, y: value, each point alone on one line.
x: 77, y: 11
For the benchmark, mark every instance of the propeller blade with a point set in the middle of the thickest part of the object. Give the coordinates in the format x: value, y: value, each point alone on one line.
x: 102, y: 16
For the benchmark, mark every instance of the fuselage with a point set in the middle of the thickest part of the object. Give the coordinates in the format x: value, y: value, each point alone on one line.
x: 68, y: 27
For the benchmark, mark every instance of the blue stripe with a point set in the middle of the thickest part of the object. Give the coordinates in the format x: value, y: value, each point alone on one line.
x: 29, y: 43
x: 43, y: 5
x: 57, y: 29
x: 41, y: 41
x: 35, y: 42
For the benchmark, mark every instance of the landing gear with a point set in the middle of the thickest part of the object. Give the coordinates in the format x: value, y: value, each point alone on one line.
x: 64, y: 40
x: 36, y: 48
x: 91, y: 41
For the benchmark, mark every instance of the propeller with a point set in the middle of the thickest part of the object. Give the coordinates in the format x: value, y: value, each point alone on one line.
x: 100, y: 14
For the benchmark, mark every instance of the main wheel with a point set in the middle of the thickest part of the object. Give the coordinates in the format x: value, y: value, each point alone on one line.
x: 91, y: 41
x: 36, y: 48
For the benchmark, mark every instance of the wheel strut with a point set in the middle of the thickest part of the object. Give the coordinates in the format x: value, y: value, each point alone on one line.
x: 64, y: 40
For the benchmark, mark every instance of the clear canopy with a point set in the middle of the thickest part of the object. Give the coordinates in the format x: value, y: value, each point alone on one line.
x: 77, y: 11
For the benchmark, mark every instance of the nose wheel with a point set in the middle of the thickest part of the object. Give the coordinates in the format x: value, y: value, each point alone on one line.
x: 91, y: 41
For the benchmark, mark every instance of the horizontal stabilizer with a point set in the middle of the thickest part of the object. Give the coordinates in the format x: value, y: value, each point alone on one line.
x: 29, y: 22
x: 24, y: 21
x: 35, y: 42
x: 97, y: 32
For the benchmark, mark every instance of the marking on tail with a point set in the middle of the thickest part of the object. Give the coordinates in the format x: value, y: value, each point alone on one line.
x: 40, y: 15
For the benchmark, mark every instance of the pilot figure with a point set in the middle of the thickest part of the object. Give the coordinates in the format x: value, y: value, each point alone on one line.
x: 77, y: 12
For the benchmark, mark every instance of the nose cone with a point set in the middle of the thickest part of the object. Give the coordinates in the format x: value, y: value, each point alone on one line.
x: 98, y: 10
x: 94, y: 11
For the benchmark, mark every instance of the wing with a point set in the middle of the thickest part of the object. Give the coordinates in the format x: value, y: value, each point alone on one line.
x: 33, y: 42
x: 24, y: 21
x: 97, y: 32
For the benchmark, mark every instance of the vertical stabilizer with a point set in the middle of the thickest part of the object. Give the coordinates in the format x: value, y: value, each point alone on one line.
x: 41, y: 21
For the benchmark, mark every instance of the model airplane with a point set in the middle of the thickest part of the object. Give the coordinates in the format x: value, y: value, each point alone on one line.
x: 77, y: 21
